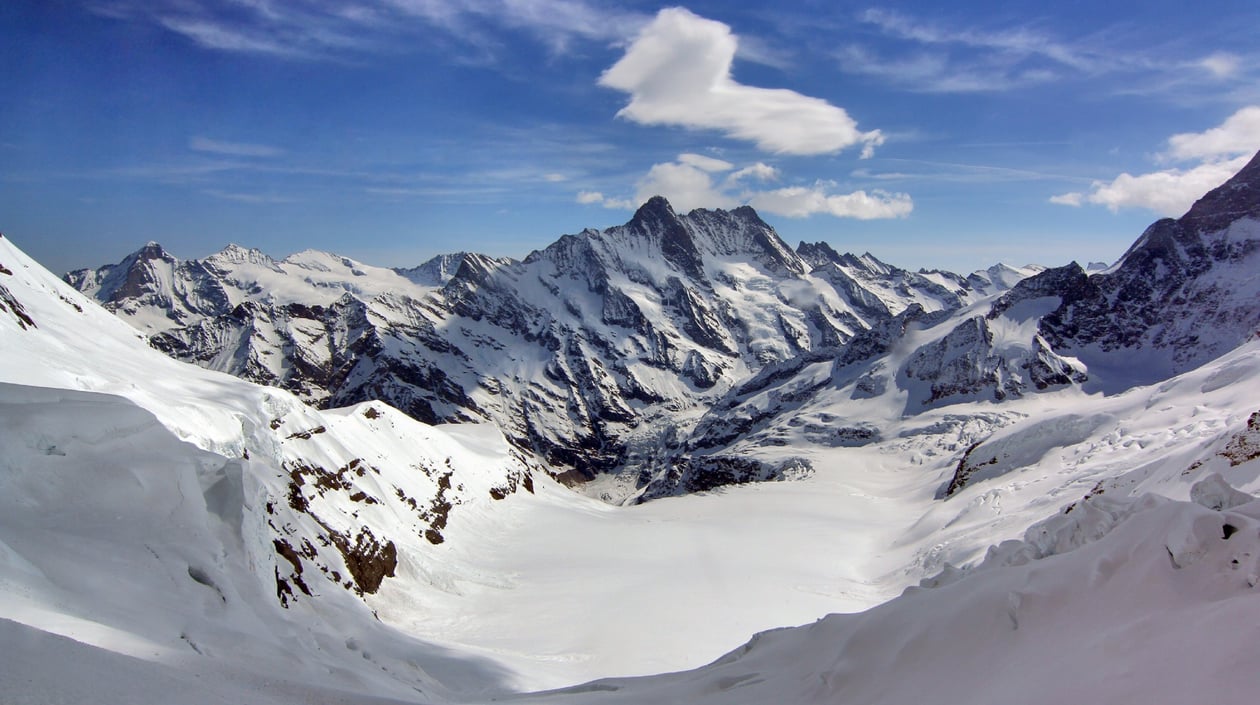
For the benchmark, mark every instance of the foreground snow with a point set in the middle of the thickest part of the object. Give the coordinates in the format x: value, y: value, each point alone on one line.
x: 1121, y: 601
x: 138, y: 564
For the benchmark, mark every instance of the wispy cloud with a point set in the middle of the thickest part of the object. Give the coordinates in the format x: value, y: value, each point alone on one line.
x: 508, y: 163
x: 696, y: 181
x: 1213, y: 156
x: 1221, y: 64
x: 233, y: 149
x: 598, y: 198
x: 936, y: 72
x: 934, y: 57
x: 247, y: 197
x: 338, y: 30
x: 678, y: 72
x: 467, y: 194
x: 956, y: 172
x: 1018, y: 41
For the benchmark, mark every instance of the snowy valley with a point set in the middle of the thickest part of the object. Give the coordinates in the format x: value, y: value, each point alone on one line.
x: 654, y: 449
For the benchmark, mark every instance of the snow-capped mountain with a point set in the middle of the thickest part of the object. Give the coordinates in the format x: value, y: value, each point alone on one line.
x: 593, y: 355
x: 174, y: 534
x: 633, y: 352
x: 1183, y: 294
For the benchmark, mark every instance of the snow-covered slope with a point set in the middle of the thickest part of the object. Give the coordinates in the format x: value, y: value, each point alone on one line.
x: 1120, y: 601
x: 186, y: 518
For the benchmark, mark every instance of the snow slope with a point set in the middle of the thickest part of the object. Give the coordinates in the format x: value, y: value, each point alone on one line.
x: 1121, y: 601
x: 188, y: 519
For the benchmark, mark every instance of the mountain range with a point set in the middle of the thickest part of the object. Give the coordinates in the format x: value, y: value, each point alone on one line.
x: 1022, y: 484
x: 599, y: 355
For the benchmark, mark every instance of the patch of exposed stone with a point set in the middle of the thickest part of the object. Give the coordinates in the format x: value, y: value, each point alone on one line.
x: 687, y: 475
x: 10, y: 303
x: 368, y: 559
x: 963, y: 472
x: 323, y: 480
x: 306, y: 435
x: 1244, y: 445
x: 284, y: 591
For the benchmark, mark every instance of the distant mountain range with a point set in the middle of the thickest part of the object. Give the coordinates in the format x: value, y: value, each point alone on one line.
x: 604, y: 353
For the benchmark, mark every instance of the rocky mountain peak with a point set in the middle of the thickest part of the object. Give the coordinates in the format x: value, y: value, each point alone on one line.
x: 1237, y: 198
x: 1180, y: 289
x: 151, y: 251
x: 434, y: 272
x: 234, y: 254
x: 816, y: 254
x: 656, y: 219
x: 654, y: 210
x: 475, y: 269
x: 135, y: 276
x: 1180, y: 244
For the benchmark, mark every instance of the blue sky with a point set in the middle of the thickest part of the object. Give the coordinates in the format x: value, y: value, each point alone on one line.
x: 946, y: 136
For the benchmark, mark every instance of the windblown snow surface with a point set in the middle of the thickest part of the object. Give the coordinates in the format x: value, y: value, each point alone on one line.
x: 1102, y: 549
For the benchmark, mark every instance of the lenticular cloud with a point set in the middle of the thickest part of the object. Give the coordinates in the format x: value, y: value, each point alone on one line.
x: 678, y: 72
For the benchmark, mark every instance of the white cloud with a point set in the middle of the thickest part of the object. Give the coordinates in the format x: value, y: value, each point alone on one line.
x: 758, y: 171
x: 1220, y: 64
x: 234, y: 149
x: 704, y: 163
x: 678, y: 72
x: 597, y: 198
x: 1220, y: 152
x: 689, y: 183
x: 1239, y: 134
x: 1170, y: 192
x: 554, y: 178
x: 1074, y: 199
x: 799, y: 202
x: 685, y: 186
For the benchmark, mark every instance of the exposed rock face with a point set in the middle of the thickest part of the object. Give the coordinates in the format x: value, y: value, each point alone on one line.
x: 961, y: 364
x: 1245, y: 445
x: 1186, y: 289
x: 703, y: 473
